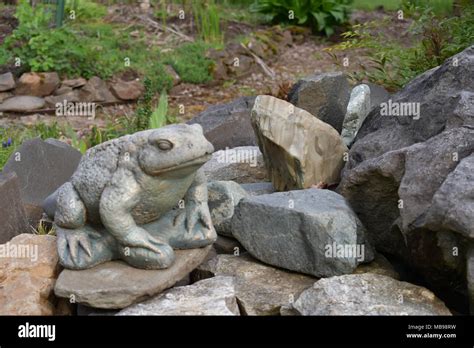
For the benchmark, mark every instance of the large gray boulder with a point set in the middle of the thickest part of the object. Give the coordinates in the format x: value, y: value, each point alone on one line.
x: 416, y: 203
x: 12, y: 214
x: 309, y: 231
x: 228, y: 125
x: 445, y: 101
x: 367, y: 294
x: 325, y: 96
x: 42, y: 166
x: 409, y: 179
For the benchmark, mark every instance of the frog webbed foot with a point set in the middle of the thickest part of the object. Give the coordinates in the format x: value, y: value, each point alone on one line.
x: 83, y: 247
x: 198, y: 230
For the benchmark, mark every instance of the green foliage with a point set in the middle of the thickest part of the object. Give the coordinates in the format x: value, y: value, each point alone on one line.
x: 320, y: 15
x: 389, y: 63
x: 78, y: 144
x: 207, y: 21
x: 12, y: 137
x: 369, y: 5
x: 438, y: 7
x: 79, y: 49
x: 190, y: 62
x: 158, y: 117
x: 44, y: 229
x: 143, y: 112
x: 84, y: 10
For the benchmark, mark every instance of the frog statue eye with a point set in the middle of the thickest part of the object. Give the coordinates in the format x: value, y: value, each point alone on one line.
x: 164, y: 144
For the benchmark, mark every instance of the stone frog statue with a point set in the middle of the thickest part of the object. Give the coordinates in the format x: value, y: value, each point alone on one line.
x: 135, y: 198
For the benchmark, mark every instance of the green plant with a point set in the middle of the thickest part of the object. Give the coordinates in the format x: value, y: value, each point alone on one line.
x: 320, y: 15
x: 76, y: 142
x: 438, y: 7
x: 207, y: 21
x: 389, y: 63
x: 191, y: 63
x: 83, y: 10
x: 141, y: 119
x: 158, y: 117
x: 44, y: 229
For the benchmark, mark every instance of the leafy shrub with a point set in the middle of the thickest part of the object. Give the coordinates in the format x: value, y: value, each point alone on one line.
x: 391, y: 64
x: 190, y: 62
x: 320, y: 15
x: 84, y: 9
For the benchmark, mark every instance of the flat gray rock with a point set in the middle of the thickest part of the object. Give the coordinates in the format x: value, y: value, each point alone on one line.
x: 258, y: 188
x: 215, y: 296
x: 367, y: 294
x: 22, y: 103
x: 7, y: 82
x: 118, y: 285
x: 41, y: 168
x: 259, y: 288
x: 325, y: 96
x: 310, y: 231
x: 243, y: 164
x: 12, y: 214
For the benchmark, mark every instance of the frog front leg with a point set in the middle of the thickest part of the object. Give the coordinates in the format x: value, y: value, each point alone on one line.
x: 136, y: 245
x: 198, y: 230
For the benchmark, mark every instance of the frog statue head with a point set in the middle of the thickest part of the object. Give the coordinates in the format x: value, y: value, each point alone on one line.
x: 177, y: 148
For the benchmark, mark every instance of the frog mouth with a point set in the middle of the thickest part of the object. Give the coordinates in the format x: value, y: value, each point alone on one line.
x: 193, y: 163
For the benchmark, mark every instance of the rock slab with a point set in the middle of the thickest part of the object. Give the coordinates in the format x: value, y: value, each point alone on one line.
x: 357, y: 110
x: 215, y: 296
x: 260, y: 289
x: 243, y: 164
x: 228, y: 125
x: 367, y: 294
x: 12, y: 213
x: 37, y: 84
x: 299, y: 150
x: 302, y: 231
x: 324, y: 96
x: 7, y: 82
x: 118, y: 285
x: 22, y: 103
x: 41, y: 168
